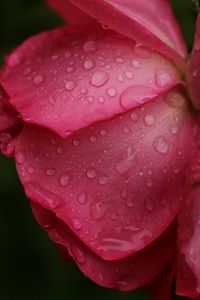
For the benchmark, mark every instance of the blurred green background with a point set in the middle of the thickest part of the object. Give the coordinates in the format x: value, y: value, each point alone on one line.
x: 30, y: 267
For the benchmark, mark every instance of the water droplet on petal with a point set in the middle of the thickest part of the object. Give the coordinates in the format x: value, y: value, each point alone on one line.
x: 68, y: 54
x: 176, y: 169
x: 78, y: 254
x: 119, y: 60
x: 14, y: 60
x: 99, y: 78
x: 162, y: 78
x: 82, y: 197
x: 50, y: 172
x: 70, y: 69
x: 197, y: 45
x: 88, y: 64
x: 93, y: 139
x: 98, y: 210
x: 76, y: 223
x: 38, y: 79
x: 76, y: 142
x: 134, y: 116
x: 102, y: 132
x: 90, y: 47
x: 149, y: 119
x: 149, y: 205
x: 129, y: 74
x: 161, y: 144
x: 64, y: 179
x: 175, y: 100
x: 101, y: 100
x: 173, y: 129
x: 127, y: 280
x: 60, y: 150
x: 137, y: 94
x: 111, y: 92
x: 20, y: 157
x: 136, y: 63
x: 70, y: 85
x: 103, y: 180
x: 91, y: 173
x: 30, y: 170
x: 120, y: 78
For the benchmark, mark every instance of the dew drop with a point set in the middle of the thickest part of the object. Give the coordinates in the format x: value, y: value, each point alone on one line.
x: 175, y: 100
x: 111, y: 92
x: 120, y: 78
x: 76, y: 142
x: 91, y: 173
x: 162, y: 78
x: 60, y: 150
x: 137, y: 94
x: 101, y: 100
x: 20, y: 157
x: 31, y: 170
x: 70, y: 69
x: 149, y: 120
x: 102, y: 132
x: 93, y: 139
x: 176, y: 169
x: 64, y: 179
x: 38, y: 79
x: 76, y: 223
x: 98, y: 210
x: 173, y: 129
x: 103, y: 180
x: 78, y: 254
x: 136, y: 63
x: 67, y: 54
x: 149, y: 205
x: 82, y: 197
x: 161, y: 144
x: 197, y: 45
x: 99, y: 79
x: 50, y: 172
x: 14, y: 60
x: 90, y: 47
x: 119, y: 60
x: 70, y: 85
x: 129, y: 74
x: 134, y: 116
x: 54, y: 57
x: 88, y: 64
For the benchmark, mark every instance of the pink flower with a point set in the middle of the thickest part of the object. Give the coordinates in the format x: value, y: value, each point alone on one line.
x: 98, y: 117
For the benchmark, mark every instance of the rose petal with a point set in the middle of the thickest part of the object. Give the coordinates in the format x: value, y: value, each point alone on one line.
x: 73, y: 15
x: 116, y: 184
x: 194, y: 68
x: 160, y: 287
x: 188, y: 278
x: 8, y: 117
x: 149, y: 22
x: 126, y: 274
x: 66, y: 83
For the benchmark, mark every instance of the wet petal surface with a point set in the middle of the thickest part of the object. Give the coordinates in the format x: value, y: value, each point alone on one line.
x: 116, y: 184
x: 66, y: 83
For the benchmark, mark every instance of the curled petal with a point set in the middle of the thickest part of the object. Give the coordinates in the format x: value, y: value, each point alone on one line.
x: 139, y: 20
x: 116, y: 184
x: 194, y: 68
x: 188, y: 278
x: 82, y: 80
x: 126, y: 274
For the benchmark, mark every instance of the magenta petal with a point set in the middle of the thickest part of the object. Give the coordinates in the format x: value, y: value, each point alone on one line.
x: 148, y: 22
x: 160, y: 287
x: 73, y: 15
x: 8, y: 117
x: 126, y: 274
x: 188, y: 278
x: 116, y: 184
x: 65, y: 83
x: 194, y: 68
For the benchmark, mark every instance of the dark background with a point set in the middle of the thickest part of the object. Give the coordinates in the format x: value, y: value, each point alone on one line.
x: 30, y: 268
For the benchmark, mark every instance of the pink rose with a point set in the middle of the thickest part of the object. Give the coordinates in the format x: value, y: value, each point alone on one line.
x: 102, y: 119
